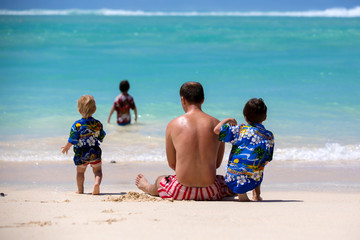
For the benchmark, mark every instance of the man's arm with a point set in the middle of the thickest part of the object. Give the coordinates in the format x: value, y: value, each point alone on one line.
x: 170, y: 149
x: 220, y: 154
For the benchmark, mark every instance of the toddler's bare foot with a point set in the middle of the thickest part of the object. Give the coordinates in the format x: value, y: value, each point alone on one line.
x: 80, y: 190
x: 96, y: 190
x: 142, y: 183
x: 243, y: 197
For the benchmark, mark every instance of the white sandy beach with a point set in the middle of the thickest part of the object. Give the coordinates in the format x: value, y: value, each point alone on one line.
x: 44, y: 206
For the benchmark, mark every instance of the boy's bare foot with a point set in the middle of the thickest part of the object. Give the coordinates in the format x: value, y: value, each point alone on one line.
x: 257, y: 198
x: 256, y: 195
x: 80, y: 190
x: 142, y: 183
x: 96, y: 190
x: 243, y: 197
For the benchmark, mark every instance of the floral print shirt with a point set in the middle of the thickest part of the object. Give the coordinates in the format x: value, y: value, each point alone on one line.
x: 86, y: 132
x: 252, y: 147
x: 122, y: 104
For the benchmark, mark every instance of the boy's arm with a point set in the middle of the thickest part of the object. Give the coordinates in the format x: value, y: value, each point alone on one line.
x: 102, y: 134
x: 66, y: 148
x: 230, y: 121
x: 111, y: 112
x: 135, y: 111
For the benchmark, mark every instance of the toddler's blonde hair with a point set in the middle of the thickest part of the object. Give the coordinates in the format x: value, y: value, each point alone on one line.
x: 86, y: 106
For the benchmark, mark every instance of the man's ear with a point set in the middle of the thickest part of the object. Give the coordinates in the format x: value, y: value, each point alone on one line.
x: 182, y: 99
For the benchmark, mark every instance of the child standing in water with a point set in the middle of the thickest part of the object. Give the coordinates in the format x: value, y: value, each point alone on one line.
x: 252, y: 149
x: 122, y: 105
x: 85, y: 135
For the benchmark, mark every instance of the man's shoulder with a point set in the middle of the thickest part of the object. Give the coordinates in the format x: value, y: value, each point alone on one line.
x: 176, y: 121
x: 189, y: 119
x: 210, y: 119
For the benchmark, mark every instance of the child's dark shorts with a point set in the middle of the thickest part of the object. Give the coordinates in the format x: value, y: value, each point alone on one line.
x: 87, y: 155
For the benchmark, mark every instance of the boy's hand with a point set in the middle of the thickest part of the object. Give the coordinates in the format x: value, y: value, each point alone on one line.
x: 64, y: 151
x: 66, y: 148
x: 231, y: 121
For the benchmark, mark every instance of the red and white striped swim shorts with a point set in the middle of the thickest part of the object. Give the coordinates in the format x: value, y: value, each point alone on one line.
x: 171, y: 188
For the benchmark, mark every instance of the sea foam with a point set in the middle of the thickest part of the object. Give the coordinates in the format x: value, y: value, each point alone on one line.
x: 151, y: 149
x: 331, y: 12
x: 331, y: 152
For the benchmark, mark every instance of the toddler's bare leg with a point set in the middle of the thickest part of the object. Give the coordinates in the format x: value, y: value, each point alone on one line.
x: 256, y: 194
x: 143, y: 184
x: 98, y: 177
x: 80, y: 178
x: 243, y: 197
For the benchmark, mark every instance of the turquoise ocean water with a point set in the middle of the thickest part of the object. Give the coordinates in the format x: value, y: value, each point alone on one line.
x: 307, y: 69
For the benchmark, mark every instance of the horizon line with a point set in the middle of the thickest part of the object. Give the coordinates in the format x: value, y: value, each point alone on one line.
x: 329, y: 12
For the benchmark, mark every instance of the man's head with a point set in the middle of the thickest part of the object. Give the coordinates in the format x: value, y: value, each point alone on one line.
x: 192, y: 92
x: 124, y: 86
x: 255, y: 110
x: 86, y: 106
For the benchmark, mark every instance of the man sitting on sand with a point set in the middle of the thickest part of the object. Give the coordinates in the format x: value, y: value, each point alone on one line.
x: 193, y: 152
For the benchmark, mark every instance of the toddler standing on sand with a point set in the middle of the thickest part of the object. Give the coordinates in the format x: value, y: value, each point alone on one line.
x: 252, y: 149
x: 85, y: 135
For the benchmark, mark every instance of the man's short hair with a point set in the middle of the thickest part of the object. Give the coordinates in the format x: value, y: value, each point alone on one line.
x: 86, y: 105
x: 124, y: 86
x: 255, y: 110
x: 192, y: 92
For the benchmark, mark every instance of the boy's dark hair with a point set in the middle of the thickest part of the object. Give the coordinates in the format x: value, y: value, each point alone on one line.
x: 255, y: 110
x: 193, y: 92
x: 124, y: 86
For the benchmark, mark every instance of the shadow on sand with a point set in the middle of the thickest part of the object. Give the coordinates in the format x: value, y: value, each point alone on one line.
x: 234, y: 199
x: 227, y: 199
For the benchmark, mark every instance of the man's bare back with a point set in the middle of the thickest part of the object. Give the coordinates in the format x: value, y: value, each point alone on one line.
x: 193, y: 152
x: 192, y: 148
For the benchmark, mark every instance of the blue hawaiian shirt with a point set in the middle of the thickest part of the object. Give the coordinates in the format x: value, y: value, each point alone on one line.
x: 85, y: 135
x: 252, y: 147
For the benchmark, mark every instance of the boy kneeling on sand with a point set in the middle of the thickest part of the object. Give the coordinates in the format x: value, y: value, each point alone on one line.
x: 252, y: 149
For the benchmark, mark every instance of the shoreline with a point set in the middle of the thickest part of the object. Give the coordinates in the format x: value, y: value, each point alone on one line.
x: 278, y: 176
